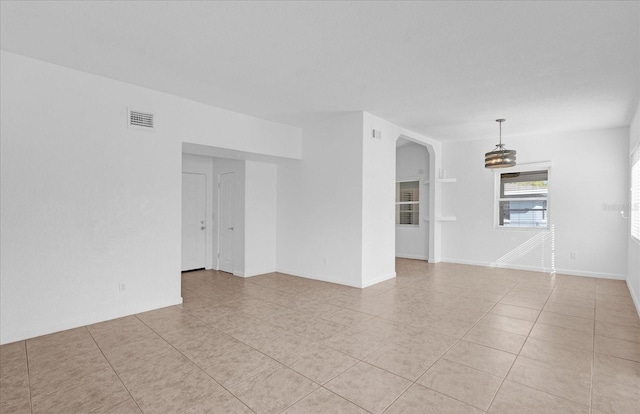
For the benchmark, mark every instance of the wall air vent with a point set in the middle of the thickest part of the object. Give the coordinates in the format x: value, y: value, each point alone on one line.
x: 141, y: 120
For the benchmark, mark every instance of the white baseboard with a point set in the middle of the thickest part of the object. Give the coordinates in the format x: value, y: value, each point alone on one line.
x: 322, y: 279
x: 571, y: 272
x: 378, y: 280
x: 411, y: 256
x: 634, y: 297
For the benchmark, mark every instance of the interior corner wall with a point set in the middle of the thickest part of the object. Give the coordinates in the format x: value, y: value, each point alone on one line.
x: 319, y: 204
x: 260, y: 218
x: 633, y: 248
x: 90, y: 209
x: 588, y: 178
x: 412, y: 164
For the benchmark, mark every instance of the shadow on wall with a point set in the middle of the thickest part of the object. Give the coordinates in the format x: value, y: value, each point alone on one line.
x: 540, y: 242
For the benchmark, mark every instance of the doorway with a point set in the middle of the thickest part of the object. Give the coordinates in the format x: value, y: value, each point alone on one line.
x: 194, y: 221
x: 412, y: 200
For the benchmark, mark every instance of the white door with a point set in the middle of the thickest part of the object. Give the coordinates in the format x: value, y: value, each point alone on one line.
x: 226, y: 223
x: 194, y: 206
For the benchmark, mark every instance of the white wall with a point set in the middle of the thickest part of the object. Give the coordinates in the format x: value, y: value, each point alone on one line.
x: 88, y: 204
x: 633, y: 266
x: 260, y: 218
x: 588, y: 171
x: 412, y: 164
x: 319, y: 206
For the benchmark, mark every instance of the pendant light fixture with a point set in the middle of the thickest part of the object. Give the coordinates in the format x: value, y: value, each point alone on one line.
x: 500, y: 157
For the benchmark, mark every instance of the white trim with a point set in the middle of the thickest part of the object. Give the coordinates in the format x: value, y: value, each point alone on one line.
x: 305, y: 276
x: 570, y: 272
x: 378, y: 280
x: 636, y: 300
x: 411, y: 256
x: 239, y: 274
x: 526, y: 167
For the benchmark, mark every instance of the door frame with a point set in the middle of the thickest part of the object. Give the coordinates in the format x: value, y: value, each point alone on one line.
x: 219, y: 223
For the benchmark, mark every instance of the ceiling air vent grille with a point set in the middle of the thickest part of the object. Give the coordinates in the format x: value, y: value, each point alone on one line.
x: 141, y: 120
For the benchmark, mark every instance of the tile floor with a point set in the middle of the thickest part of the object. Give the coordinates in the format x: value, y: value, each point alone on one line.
x: 439, y: 338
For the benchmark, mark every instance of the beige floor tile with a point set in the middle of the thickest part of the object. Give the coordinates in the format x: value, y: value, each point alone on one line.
x: 515, y: 398
x: 476, y: 388
x: 221, y: 403
x: 515, y: 312
x: 566, y: 321
x: 206, y: 349
x: 120, y: 331
x: 585, y: 312
x: 359, y: 345
x: 285, y: 345
x: 563, y: 336
x: 421, y: 400
x: 552, y: 379
x: 175, y: 393
x: 128, y: 406
x: 146, y: 372
x: 616, y: 331
x: 14, y: 395
x: 482, y: 358
x: 317, y: 329
x: 616, y: 370
x: 618, y: 348
x: 241, y: 364
x: 47, y: 377
x: 627, y: 318
x: 368, y: 387
x: 274, y: 390
x: 323, y: 401
x: 505, y: 323
x: 524, y: 301
x: 409, y: 363
x: 366, y: 344
x: 555, y: 354
x: 614, y: 397
x: 136, y: 353
x: 320, y: 363
x: 495, y: 338
x: 73, y: 340
x: 103, y: 389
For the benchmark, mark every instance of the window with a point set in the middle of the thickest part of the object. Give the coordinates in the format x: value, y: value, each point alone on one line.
x: 635, y: 194
x: 408, y: 203
x: 523, y: 199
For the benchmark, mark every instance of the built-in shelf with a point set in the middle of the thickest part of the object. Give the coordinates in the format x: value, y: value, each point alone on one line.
x: 441, y: 180
x: 444, y: 218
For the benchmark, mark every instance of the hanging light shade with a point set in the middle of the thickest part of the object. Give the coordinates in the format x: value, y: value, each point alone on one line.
x: 500, y: 157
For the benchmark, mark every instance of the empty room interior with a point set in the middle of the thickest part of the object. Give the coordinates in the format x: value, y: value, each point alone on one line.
x: 320, y: 207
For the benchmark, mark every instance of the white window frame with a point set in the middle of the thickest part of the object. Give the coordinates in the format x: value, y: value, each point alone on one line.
x: 634, y: 196
x: 527, y: 167
x: 408, y: 180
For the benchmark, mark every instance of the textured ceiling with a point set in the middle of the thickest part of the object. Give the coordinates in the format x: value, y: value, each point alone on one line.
x: 443, y: 69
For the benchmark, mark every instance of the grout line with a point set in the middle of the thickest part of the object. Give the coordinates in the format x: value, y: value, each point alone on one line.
x: 114, y: 371
x: 26, y: 354
x: 202, y: 369
x: 520, y: 350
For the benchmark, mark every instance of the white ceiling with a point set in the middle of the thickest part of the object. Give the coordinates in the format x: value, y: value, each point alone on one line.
x: 443, y: 69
